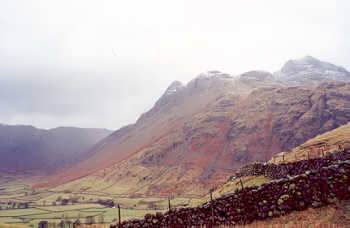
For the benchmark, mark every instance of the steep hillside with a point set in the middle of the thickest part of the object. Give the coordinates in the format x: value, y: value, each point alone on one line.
x: 29, y: 149
x: 197, y: 134
x: 317, y: 147
x: 321, y: 145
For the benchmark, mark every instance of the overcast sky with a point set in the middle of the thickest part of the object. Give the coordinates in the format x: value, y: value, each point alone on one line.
x: 103, y: 63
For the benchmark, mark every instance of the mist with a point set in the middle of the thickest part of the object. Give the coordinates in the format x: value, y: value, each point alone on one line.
x: 103, y: 63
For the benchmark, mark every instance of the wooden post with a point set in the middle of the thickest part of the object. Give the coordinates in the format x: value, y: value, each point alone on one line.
x: 322, y: 151
x: 241, y: 182
x: 119, y: 217
x: 341, y: 148
x: 283, y: 157
x: 169, y: 205
x: 308, y: 155
x: 211, y: 207
x: 212, y: 214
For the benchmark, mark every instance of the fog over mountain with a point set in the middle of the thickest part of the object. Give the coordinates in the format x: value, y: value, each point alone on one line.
x: 102, y: 63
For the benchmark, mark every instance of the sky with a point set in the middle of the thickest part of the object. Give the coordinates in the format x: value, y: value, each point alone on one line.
x: 101, y: 63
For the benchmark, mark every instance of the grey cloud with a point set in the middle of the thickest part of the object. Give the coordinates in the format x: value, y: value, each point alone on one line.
x: 103, y: 63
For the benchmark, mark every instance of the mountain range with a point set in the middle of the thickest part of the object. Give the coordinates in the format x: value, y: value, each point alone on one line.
x: 197, y: 134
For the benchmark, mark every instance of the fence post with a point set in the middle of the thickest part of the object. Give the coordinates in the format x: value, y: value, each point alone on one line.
x: 341, y: 148
x: 283, y: 157
x: 241, y: 182
x: 211, y: 194
x: 169, y: 205
x: 212, y: 208
x: 119, y: 217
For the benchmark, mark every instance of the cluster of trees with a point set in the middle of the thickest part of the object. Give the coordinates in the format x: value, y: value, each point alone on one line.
x: 92, y: 220
x: 74, y: 199
x: 106, y: 202
x: 66, y: 222
x: 66, y: 201
x: 15, y: 205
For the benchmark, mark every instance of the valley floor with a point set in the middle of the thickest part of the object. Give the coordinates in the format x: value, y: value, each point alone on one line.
x: 22, y: 206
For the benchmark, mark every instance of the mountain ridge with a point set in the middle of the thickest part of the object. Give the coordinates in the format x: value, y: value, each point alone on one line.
x: 198, y: 134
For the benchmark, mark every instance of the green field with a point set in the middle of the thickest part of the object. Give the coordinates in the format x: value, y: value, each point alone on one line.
x: 45, y: 205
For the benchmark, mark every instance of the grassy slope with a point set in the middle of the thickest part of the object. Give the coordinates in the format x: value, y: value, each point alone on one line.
x: 232, y: 185
x: 327, y: 142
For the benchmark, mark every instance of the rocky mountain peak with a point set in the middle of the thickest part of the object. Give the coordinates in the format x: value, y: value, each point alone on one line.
x: 310, y: 70
x: 209, y: 79
x: 308, y: 63
x: 174, y: 87
x: 256, y: 76
x: 255, y: 79
x: 213, y: 74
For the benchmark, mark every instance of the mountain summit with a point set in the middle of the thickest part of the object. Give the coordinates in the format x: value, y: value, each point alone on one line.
x: 311, y: 70
x: 174, y: 87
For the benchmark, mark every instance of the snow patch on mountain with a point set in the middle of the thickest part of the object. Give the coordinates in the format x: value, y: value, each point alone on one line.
x: 174, y: 87
x: 312, y: 70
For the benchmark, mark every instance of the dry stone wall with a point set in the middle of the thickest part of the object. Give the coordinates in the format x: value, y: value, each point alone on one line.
x: 274, y: 171
x: 322, y: 182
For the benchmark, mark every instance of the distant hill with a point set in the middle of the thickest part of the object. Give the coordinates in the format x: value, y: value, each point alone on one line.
x: 197, y: 134
x: 29, y: 149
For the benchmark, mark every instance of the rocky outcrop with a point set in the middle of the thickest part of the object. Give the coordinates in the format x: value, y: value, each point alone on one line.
x: 258, y: 79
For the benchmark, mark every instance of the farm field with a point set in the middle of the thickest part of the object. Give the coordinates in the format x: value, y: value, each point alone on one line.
x: 48, y: 204
x: 21, y: 205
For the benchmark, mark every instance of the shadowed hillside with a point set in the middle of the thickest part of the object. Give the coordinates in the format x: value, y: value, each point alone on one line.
x: 28, y: 149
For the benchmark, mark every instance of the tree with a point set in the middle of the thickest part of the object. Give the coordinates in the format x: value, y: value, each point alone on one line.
x: 64, y: 201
